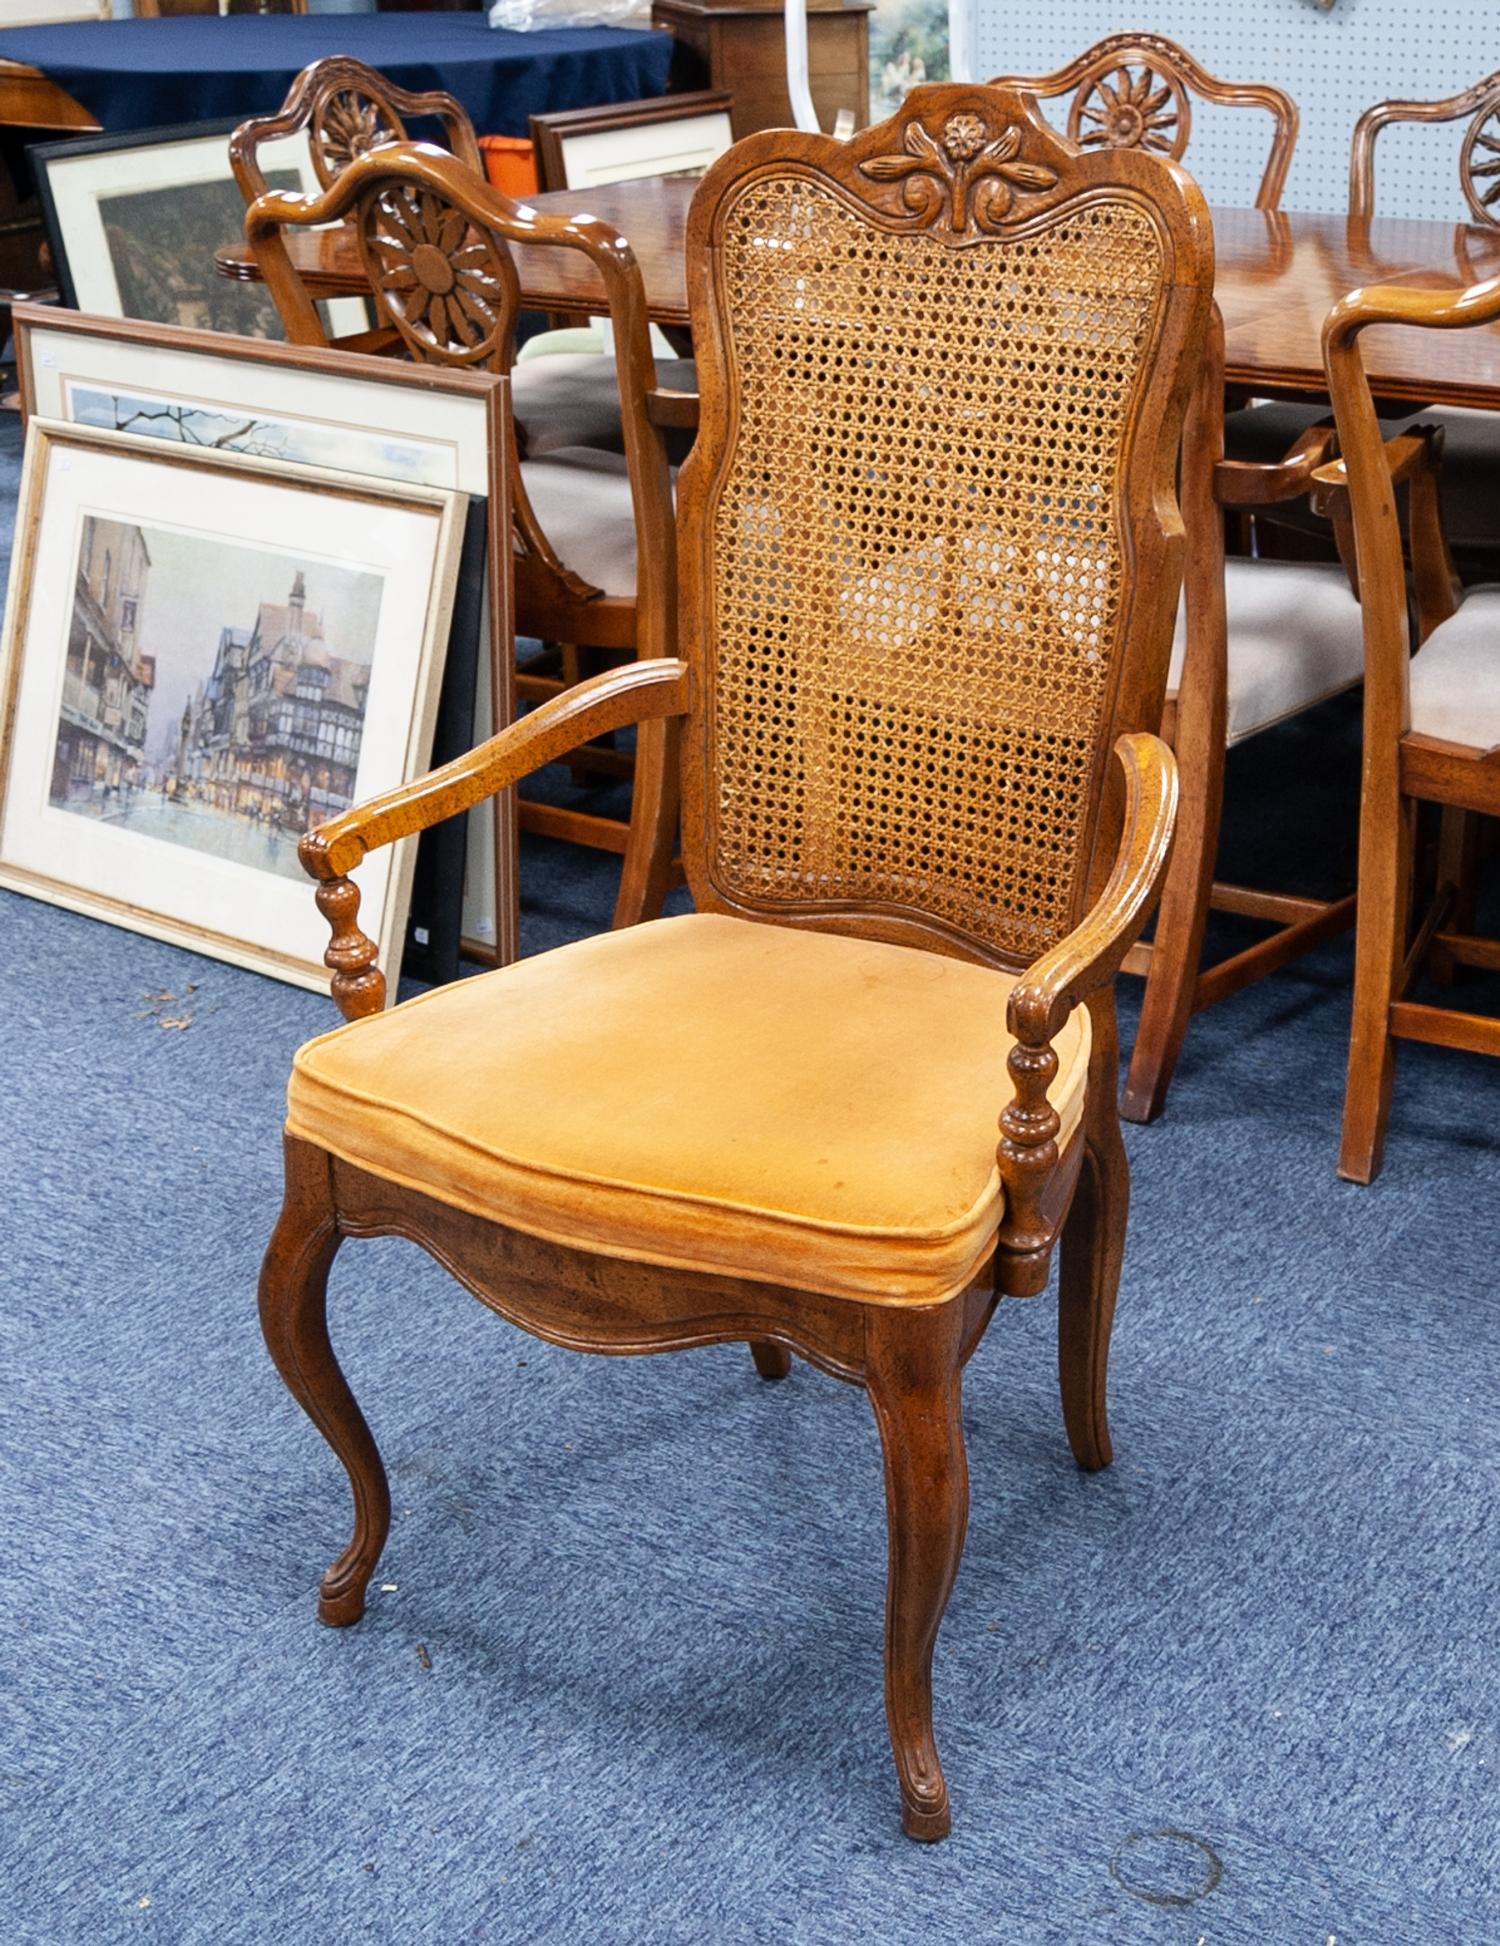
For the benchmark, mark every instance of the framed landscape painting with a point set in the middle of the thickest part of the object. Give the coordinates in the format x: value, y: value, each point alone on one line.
x: 304, y: 406
x: 133, y: 221
x: 204, y: 656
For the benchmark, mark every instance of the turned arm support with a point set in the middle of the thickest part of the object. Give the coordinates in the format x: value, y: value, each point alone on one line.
x: 1093, y: 952
x: 1047, y: 993
x: 637, y: 692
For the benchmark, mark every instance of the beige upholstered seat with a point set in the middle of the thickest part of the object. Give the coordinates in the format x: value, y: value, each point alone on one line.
x: 572, y: 398
x: 582, y: 498
x: 708, y: 1092
x: 1295, y: 638
x: 1455, y: 676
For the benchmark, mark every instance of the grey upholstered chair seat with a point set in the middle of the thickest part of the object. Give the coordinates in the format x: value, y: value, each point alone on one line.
x: 1295, y: 638
x: 572, y: 398
x: 1455, y: 675
x: 582, y: 499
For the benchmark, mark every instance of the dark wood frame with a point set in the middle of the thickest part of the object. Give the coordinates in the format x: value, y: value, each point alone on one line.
x: 1182, y: 75
x: 549, y: 132
x: 909, y: 1358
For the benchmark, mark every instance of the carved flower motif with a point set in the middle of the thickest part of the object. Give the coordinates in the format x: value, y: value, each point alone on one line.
x: 980, y: 176
x: 963, y: 137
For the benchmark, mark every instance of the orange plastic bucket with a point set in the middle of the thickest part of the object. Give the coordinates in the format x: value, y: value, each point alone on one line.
x: 510, y: 164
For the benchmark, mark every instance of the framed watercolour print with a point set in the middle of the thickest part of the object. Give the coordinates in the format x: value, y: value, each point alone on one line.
x: 133, y: 221
x: 309, y: 407
x: 203, y: 657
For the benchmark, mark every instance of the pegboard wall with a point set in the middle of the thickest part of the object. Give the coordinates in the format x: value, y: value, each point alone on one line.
x: 1333, y: 64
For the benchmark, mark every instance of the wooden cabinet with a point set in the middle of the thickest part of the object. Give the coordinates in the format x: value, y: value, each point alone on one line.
x: 742, y: 47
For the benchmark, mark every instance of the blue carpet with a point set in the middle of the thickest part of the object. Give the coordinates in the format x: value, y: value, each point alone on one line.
x: 620, y: 1677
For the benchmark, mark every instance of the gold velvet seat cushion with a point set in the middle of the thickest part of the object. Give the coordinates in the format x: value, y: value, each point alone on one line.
x: 794, y: 1107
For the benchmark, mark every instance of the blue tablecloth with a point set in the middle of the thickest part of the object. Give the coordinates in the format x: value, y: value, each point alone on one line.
x: 154, y: 73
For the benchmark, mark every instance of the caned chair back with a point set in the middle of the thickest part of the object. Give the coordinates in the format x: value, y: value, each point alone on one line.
x: 1135, y: 91
x: 348, y: 110
x: 436, y: 243
x: 928, y: 535
x: 1478, y: 157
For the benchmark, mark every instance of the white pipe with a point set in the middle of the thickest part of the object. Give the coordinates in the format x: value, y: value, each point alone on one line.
x: 804, y: 115
x: 961, y: 40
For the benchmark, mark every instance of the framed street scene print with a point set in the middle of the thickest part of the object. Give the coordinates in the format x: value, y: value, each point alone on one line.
x: 133, y: 221
x: 205, y: 655
x: 295, y: 405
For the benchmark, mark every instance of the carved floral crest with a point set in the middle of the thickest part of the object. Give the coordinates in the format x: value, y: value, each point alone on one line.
x: 979, y: 174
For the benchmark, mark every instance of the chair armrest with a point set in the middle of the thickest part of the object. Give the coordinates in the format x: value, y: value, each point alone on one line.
x: 637, y: 692
x: 1047, y: 993
x: 1092, y: 953
x: 1261, y: 483
x: 634, y: 693
x: 1407, y: 454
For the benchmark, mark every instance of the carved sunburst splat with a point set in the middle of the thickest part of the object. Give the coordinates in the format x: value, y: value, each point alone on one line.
x: 443, y: 280
x: 1132, y: 107
x: 1479, y: 164
x: 346, y: 126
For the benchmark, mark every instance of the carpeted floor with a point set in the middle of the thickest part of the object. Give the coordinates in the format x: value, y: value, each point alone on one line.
x: 620, y: 1681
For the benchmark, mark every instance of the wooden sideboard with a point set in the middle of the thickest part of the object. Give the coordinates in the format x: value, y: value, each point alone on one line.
x: 742, y: 47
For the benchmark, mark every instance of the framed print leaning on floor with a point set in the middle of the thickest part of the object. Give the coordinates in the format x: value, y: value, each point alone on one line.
x: 299, y: 405
x: 133, y: 220
x: 204, y: 656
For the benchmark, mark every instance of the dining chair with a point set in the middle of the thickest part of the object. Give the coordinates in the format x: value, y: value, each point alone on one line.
x: 1136, y: 91
x: 349, y: 109
x: 1258, y: 641
x: 930, y: 555
x: 593, y: 565
x: 1431, y: 736
x: 1471, y: 454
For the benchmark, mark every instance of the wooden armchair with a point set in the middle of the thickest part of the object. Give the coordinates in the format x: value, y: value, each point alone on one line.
x: 1135, y: 91
x: 594, y: 561
x: 1471, y: 453
x: 1258, y: 641
x: 930, y: 560
x: 1431, y: 736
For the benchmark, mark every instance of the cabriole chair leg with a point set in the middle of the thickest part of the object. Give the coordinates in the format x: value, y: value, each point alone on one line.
x: 913, y: 1376
x: 294, y: 1322
x: 771, y: 1360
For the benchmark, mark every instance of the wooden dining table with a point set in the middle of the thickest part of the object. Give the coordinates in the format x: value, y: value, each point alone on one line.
x: 1279, y: 273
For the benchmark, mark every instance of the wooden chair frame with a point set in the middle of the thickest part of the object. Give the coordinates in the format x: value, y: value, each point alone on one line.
x: 1178, y: 985
x: 457, y: 214
x: 909, y: 1358
x: 1401, y: 769
x: 1153, y: 109
x: 1481, y: 103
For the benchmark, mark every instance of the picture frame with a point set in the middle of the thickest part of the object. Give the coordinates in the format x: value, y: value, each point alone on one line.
x: 203, y: 656
x: 667, y: 135
x: 133, y: 219
x: 456, y: 418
